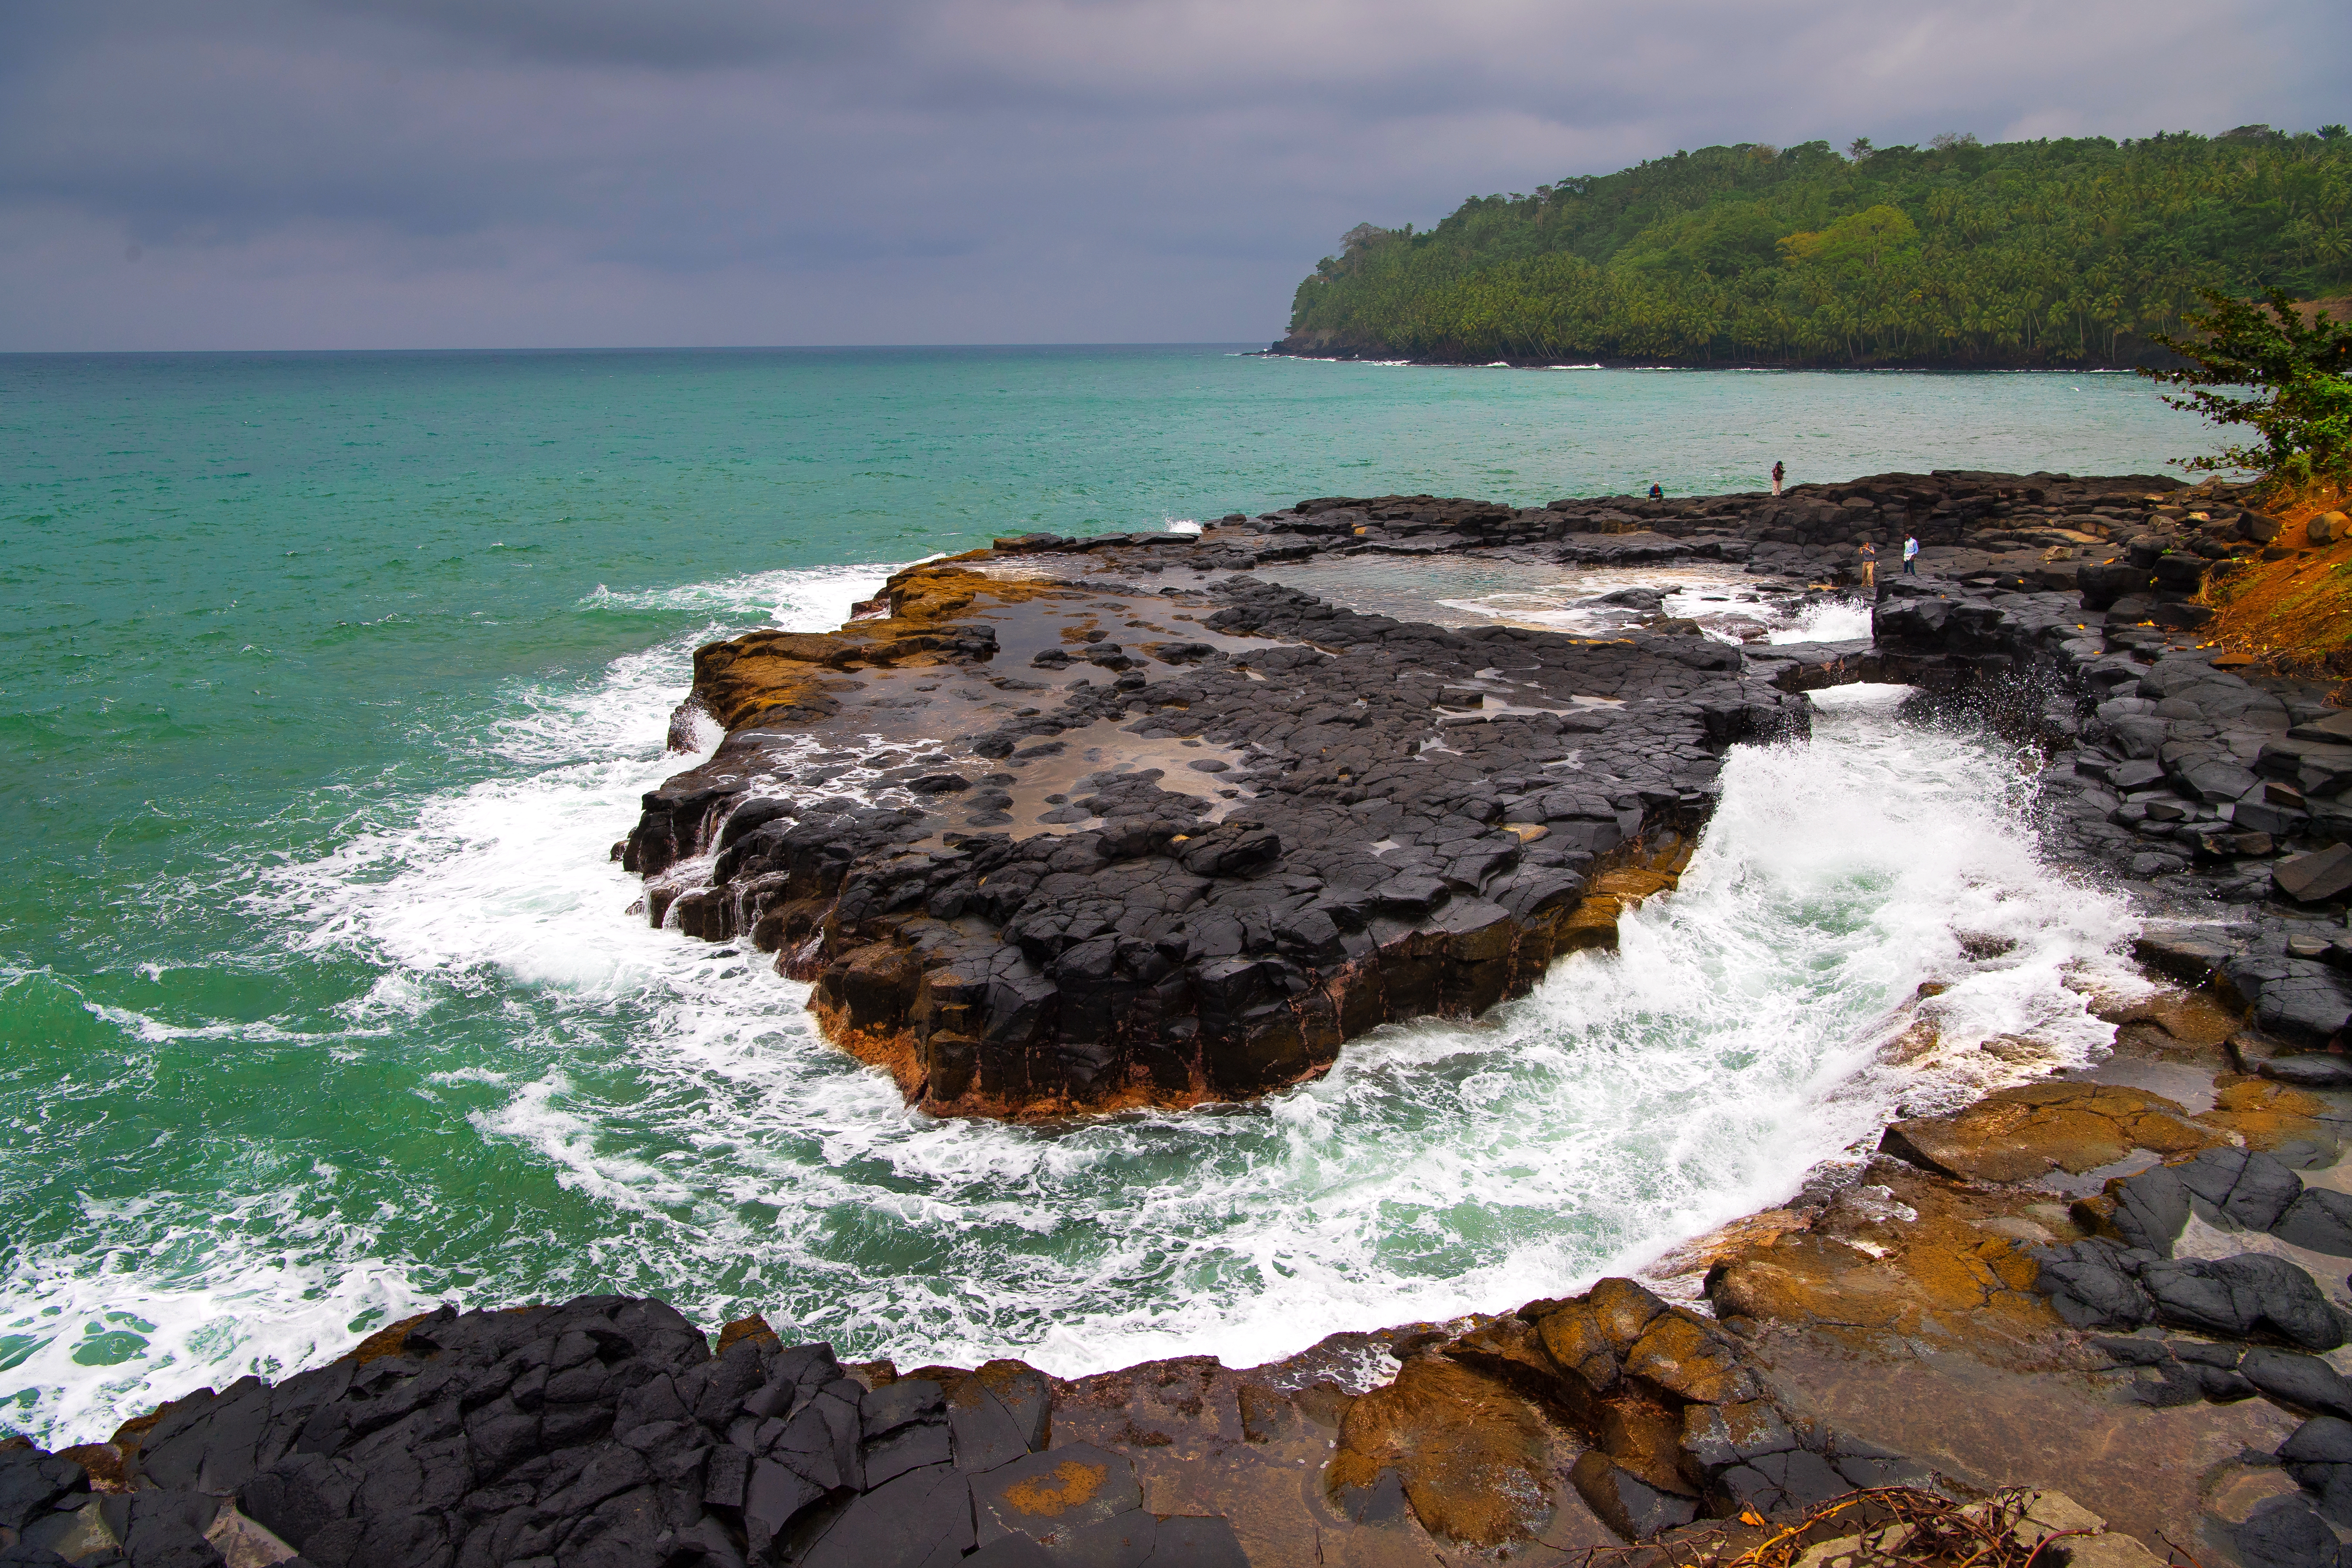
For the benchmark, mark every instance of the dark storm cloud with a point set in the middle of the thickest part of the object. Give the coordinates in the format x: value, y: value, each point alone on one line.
x: 411, y: 172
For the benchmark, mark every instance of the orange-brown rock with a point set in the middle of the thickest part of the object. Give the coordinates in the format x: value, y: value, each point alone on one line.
x: 1928, y: 1261
x: 1684, y: 1358
x: 773, y: 678
x: 2021, y: 1133
x: 1645, y: 1435
x: 2269, y: 1116
x: 2172, y: 1023
x: 1594, y: 923
x: 1468, y: 1449
x: 1593, y: 1337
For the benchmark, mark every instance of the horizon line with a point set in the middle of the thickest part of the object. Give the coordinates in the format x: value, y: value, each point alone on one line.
x: 650, y: 348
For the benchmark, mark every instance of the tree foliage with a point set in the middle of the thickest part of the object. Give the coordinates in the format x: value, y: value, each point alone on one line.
x: 2300, y: 373
x: 2027, y: 253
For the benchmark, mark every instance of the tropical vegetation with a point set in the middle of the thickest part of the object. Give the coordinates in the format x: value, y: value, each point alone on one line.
x: 2296, y: 368
x: 2065, y: 252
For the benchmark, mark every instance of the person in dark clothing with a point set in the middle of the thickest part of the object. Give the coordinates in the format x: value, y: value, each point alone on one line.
x: 1656, y: 494
x: 1779, y: 473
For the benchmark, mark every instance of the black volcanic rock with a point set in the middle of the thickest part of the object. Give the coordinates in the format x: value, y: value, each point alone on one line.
x: 1386, y: 819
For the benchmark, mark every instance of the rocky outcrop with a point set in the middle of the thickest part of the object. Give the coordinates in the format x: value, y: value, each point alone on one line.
x: 1380, y: 819
x: 1362, y: 838
x: 1131, y: 824
x: 605, y: 1431
x: 600, y: 1432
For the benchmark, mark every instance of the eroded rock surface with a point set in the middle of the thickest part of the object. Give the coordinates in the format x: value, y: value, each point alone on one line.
x: 1138, y: 826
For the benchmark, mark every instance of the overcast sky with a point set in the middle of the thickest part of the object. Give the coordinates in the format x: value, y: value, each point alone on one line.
x: 275, y: 174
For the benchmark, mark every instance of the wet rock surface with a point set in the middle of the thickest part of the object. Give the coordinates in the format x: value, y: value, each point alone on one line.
x: 1143, y: 827
x: 605, y: 1431
x: 1122, y: 823
x: 602, y: 1431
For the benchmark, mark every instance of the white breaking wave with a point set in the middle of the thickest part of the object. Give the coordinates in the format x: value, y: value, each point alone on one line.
x: 800, y: 599
x: 180, y: 1291
x: 1830, y: 620
x: 681, y: 1129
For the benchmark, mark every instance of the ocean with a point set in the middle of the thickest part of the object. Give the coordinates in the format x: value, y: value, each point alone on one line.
x: 328, y: 680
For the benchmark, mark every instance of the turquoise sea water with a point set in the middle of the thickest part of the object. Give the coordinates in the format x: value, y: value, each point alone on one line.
x: 325, y: 681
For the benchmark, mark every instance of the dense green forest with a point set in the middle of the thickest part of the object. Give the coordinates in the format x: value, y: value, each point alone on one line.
x: 2022, y: 253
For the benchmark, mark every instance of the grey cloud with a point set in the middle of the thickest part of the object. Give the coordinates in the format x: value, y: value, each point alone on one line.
x: 410, y: 172
x: 684, y: 34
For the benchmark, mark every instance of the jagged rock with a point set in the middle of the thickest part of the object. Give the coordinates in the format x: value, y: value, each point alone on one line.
x: 1096, y: 968
x: 602, y: 1431
x: 32, y: 1483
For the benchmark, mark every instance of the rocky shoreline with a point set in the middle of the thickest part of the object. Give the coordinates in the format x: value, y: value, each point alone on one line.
x: 1133, y: 824
x: 1270, y: 823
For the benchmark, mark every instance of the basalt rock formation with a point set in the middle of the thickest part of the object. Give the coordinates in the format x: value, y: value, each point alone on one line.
x: 1137, y: 826
x: 603, y: 1432
x: 1132, y: 823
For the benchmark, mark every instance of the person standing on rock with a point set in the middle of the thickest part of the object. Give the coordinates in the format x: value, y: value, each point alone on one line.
x: 1779, y: 473
x: 1869, y: 564
x: 1910, y: 555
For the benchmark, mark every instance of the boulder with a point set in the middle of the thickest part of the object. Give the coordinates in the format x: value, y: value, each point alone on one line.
x: 2149, y: 1209
x: 2319, y: 1220
x: 2285, y: 1533
x: 2308, y: 1070
x: 2316, y: 878
x: 2304, y: 1382
x: 2239, y: 1297
x: 2247, y: 1187
x: 2094, y: 1284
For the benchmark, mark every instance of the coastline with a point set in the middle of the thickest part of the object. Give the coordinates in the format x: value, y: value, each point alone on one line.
x: 1789, y: 1273
x: 2149, y: 356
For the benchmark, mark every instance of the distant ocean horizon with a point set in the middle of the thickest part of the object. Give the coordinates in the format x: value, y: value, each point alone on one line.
x: 1260, y: 348
x: 327, y: 679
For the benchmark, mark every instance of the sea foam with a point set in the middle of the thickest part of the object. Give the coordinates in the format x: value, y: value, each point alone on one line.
x: 682, y: 1129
